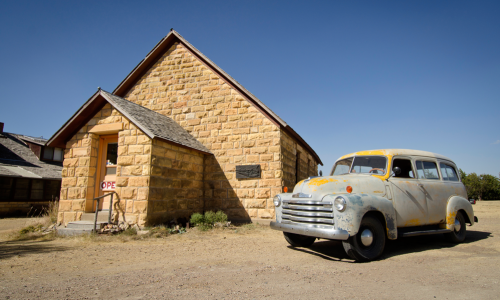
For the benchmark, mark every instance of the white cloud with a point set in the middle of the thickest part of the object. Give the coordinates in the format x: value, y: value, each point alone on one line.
x: 497, y: 142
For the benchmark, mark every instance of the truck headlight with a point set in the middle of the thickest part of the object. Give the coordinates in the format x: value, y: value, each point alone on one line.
x: 340, y: 203
x: 277, y: 200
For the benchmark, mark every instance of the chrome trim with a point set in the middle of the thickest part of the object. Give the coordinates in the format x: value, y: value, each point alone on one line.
x: 324, y: 233
x: 307, y: 214
x: 457, y: 225
x: 305, y: 202
x: 301, y: 195
x: 309, y: 220
x: 366, y: 237
x: 315, y: 208
x: 322, y: 226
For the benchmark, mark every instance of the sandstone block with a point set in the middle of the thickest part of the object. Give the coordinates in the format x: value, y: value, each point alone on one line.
x: 262, y: 193
x: 125, y: 160
x: 130, y: 140
x: 65, y: 205
x: 255, y: 203
x: 68, y: 182
x: 140, y: 207
x: 135, y: 149
x: 128, y: 193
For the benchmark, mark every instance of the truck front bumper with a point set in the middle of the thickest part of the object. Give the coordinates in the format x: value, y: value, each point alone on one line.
x: 324, y: 233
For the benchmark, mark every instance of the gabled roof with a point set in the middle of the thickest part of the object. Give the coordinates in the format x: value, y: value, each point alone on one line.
x: 153, y: 124
x: 173, y: 36
x: 17, y: 160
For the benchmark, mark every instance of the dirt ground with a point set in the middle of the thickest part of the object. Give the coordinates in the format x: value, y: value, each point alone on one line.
x: 251, y: 263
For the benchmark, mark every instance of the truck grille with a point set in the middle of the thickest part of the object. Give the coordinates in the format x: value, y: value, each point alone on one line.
x: 310, y: 213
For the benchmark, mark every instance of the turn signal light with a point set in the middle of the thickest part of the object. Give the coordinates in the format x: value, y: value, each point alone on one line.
x: 285, y: 189
x: 349, y: 189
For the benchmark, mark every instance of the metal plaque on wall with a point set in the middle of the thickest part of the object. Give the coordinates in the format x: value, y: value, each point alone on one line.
x: 251, y: 171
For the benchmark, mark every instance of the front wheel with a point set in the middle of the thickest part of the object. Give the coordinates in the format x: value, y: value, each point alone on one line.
x: 459, y: 231
x: 297, y: 240
x: 368, y: 243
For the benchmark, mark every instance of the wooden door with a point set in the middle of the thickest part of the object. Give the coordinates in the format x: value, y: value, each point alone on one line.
x: 106, y: 168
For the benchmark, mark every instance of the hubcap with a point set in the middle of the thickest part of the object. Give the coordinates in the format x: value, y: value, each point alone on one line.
x: 367, y: 237
x: 457, y: 225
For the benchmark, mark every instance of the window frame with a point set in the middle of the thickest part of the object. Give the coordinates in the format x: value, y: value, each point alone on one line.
x: 413, y: 166
x: 453, y: 166
x: 436, y: 163
x: 44, y: 148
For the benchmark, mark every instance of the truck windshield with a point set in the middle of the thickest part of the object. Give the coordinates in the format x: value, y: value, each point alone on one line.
x: 361, y: 164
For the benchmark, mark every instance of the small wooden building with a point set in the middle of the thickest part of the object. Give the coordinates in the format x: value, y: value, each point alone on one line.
x: 30, y: 174
x: 177, y: 136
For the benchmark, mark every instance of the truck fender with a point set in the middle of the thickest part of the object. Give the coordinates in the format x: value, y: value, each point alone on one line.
x: 357, y: 206
x: 456, y: 203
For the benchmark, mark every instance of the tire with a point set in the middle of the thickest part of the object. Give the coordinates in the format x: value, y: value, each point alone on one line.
x: 297, y: 240
x: 355, y: 248
x: 458, y: 236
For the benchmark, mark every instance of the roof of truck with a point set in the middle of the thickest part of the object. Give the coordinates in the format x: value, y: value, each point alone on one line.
x: 393, y: 152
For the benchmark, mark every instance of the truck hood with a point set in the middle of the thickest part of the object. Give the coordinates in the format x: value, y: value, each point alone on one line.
x: 319, y: 187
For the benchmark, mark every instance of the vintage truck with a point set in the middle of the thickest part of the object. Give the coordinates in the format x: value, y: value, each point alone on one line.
x: 373, y: 195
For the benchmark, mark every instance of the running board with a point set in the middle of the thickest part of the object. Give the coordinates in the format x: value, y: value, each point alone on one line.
x: 426, y: 232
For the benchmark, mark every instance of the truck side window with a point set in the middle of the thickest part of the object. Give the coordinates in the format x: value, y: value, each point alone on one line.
x: 448, y: 172
x: 427, y: 169
x: 405, y: 166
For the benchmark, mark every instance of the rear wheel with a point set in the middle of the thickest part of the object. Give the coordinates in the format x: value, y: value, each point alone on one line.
x: 458, y: 233
x: 368, y: 243
x: 297, y: 240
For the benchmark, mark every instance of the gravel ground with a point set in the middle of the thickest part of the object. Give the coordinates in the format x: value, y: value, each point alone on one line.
x: 251, y: 263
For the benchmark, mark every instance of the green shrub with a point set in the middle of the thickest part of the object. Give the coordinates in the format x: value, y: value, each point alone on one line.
x: 220, y: 217
x: 197, y: 219
x: 205, y: 222
x: 31, y: 228
x: 130, y: 231
x: 209, y: 217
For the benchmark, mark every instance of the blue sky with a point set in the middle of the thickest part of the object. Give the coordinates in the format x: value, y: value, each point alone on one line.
x: 346, y: 75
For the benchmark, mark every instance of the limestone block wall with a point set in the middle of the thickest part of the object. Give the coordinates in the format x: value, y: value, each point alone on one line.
x: 133, y: 175
x: 176, y: 186
x: 80, y: 167
x: 307, y: 166
x: 182, y: 88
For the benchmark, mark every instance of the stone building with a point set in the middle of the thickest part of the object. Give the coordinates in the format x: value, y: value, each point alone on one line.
x: 177, y: 136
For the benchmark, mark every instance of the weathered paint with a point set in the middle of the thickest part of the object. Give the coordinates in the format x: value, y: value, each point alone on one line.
x: 358, y: 206
x: 371, y: 193
x: 327, y: 185
x: 414, y: 222
x: 320, y: 181
x: 455, y: 204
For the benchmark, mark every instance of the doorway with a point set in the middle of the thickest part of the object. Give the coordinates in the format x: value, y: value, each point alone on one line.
x: 106, y: 169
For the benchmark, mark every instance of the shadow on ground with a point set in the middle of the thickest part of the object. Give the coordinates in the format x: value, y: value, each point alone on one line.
x: 21, y: 248
x: 334, y: 251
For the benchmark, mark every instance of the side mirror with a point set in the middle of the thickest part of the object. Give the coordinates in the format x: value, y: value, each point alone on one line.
x: 397, y: 170
x: 320, y: 173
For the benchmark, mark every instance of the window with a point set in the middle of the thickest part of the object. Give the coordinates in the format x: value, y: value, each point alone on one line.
x: 427, y: 170
x: 342, y: 166
x: 36, y: 189
x: 6, y: 184
x: 405, y: 166
x: 29, y: 189
x: 50, y: 153
x: 448, y: 172
x: 22, y: 188
x: 369, y: 165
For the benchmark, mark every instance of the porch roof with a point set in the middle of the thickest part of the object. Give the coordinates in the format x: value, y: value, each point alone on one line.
x: 153, y: 124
